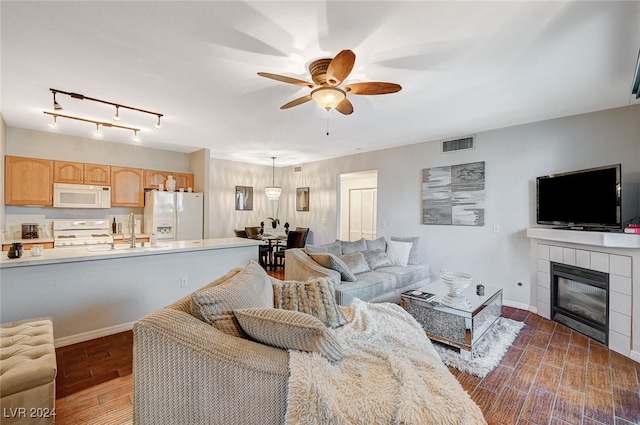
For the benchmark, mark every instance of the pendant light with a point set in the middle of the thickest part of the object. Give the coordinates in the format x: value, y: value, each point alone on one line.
x: 273, y: 191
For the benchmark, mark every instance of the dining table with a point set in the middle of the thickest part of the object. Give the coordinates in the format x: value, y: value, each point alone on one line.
x: 273, y: 241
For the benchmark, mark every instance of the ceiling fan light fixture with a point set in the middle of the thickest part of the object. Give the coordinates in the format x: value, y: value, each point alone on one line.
x: 328, y: 97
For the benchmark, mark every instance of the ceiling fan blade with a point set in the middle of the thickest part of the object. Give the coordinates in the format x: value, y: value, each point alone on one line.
x: 345, y: 107
x: 296, y: 102
x: 372, y: 88
x: 340, y: 67
x: 286, y: 79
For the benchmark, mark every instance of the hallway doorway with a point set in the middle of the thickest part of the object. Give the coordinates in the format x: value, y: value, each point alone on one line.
x: 358, y: 205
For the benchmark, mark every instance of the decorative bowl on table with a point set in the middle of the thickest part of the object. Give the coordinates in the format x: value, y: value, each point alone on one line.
x: 457, y: 283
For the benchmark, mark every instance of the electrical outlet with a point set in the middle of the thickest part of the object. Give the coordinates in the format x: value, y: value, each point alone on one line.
x: 184, y: 282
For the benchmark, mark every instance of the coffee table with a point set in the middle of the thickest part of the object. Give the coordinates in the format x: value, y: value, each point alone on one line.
x: 459, y: 327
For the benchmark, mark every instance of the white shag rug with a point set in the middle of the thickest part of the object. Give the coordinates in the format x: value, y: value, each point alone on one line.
x: 389, y: 374
x: 488, y: 353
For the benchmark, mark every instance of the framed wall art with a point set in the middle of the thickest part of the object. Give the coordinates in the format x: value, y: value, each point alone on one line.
x: 453, y: 195
x: 302, y: 199
x: 244, y: 198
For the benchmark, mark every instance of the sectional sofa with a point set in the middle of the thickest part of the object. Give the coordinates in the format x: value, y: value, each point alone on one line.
x: 371, y: 270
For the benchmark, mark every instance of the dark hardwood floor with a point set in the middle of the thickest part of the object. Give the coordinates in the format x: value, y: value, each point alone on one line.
x: 551, y: 375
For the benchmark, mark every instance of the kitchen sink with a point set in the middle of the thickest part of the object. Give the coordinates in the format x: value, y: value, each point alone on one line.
x: 125, y: 247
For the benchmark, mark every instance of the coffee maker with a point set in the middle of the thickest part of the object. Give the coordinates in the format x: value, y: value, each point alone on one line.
x: 15, y: 250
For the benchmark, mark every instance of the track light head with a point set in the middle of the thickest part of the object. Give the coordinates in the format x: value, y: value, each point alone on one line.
x: 56, y: 105
x: 135, y: 137
x: 116, y: 117
x: 157, y: 126
x: 97, y: 133
x: 53, y: 124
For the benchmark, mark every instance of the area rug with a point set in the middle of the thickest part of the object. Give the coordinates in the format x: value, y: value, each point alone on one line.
x: 488, y: 353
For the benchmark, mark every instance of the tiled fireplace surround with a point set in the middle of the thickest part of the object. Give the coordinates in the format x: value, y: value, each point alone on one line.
x: 613, y: 253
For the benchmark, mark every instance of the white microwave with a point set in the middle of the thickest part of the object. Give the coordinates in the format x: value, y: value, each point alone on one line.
x: 67, y: 195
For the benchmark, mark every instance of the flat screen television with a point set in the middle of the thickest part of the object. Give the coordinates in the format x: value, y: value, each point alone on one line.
x: 583, y: 200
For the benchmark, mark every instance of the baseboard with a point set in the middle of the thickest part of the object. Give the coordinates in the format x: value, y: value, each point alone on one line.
x: 521, y: 306
x: 634, y: 355
x: 86, y: 336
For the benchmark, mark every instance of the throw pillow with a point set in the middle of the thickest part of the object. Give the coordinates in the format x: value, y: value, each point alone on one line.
x: 379, y: 243
x: 377, y: 258
x: 349, y: 247
x: 414, y: 256
x: 334, y: 248
x: 398, y: 252
x: 249, y: 288
x: 289, y: 330
x: 355, y: 262
x: 331, y: 261
x: 316, y: 297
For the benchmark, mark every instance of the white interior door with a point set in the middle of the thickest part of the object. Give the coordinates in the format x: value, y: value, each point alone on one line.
x: 362, y: 214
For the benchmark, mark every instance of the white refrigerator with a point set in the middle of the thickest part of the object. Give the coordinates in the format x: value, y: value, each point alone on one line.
x: 173, y: 215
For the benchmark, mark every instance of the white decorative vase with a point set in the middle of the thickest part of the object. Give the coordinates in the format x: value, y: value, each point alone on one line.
x: 171, y: 183
x: 457, y: 283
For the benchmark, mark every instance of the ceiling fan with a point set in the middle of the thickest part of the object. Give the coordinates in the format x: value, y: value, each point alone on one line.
x: 327, y: 74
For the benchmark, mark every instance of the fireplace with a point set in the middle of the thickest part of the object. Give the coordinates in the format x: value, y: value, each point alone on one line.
x: 580, y: 300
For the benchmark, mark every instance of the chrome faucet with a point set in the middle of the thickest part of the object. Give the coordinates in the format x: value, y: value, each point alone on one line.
x: 133, y: 230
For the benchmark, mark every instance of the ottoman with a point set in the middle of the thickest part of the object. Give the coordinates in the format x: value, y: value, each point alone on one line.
x: 27, y: 372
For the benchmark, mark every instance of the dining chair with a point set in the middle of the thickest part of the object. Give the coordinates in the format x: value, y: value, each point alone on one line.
x: 306, y: 233
x: 295, y: 239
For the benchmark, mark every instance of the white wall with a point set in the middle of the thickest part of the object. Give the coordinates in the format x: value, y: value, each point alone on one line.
x: 513, y: 157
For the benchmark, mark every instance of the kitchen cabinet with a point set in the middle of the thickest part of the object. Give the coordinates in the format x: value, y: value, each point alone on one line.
x: 96, y: 174
x: 152, y: 178
x: 183, y: 180
x: 28, y: 181
x: 80, y: 173
x: 127, y: 187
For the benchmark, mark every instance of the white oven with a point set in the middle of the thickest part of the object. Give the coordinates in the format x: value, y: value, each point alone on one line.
x: 67, y: 195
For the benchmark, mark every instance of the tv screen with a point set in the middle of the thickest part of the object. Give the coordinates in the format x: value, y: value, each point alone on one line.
x: 588, y: 199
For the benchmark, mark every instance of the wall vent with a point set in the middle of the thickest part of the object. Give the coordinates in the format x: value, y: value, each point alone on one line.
x: 464, y: 143
x: 297, y: 168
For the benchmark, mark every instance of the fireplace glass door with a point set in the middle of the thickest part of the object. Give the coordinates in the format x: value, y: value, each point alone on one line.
x: 579, y: 300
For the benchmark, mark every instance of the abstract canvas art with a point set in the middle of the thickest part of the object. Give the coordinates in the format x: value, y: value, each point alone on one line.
x: 453, y: 195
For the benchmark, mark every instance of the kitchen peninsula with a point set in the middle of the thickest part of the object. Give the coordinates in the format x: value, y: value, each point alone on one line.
x: 93, y: 292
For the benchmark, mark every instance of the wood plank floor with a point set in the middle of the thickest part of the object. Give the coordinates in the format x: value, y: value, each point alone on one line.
x: 550, y: 376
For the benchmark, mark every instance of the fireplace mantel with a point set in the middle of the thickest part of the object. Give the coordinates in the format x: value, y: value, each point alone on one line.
x: 602, y: 239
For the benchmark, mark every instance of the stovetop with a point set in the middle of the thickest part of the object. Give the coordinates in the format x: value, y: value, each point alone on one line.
x: 81, y: 232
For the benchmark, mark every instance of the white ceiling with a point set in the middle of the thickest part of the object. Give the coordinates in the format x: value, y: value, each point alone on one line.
x: 464, y: 67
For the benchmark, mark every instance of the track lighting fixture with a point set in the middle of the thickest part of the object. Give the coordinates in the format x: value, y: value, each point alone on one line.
x: 116, y: 117
x: 135, y: 138
x: 157, y: 126
x: 97, y: 133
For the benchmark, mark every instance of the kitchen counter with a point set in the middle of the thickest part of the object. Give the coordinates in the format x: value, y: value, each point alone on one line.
x: 103, y: 252
x: 90, y: 294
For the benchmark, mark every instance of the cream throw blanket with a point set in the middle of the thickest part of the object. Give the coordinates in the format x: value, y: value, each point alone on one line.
x: 389, y: 374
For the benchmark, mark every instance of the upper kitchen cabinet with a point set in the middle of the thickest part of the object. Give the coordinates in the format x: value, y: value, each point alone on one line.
x: 154, y: 178
x: 28, y: 181
x: 183, y: 181
x: 80, y: 173
x: 96, y: 174
x: 127, y: 187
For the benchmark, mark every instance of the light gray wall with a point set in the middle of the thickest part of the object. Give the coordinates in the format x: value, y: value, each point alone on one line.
x: 48, y: 145
x: 3, y: 151
x: 513, y: 157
